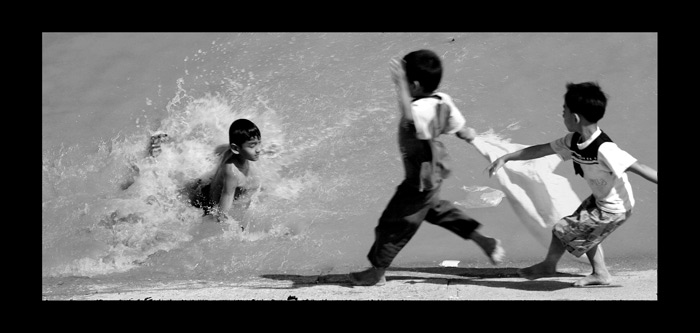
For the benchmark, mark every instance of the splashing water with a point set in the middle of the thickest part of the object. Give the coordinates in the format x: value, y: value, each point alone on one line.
x: 150, y: 212
x: 326, y: 109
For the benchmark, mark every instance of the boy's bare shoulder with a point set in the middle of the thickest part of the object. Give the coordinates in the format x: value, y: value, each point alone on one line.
x: 230, y: 170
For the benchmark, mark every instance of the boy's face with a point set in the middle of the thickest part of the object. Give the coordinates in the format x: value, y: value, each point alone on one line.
x: 250, y: 150
x: 569, y: 119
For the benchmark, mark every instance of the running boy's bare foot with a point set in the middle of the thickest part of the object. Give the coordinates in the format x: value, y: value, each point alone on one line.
x: 537, y: 271
x: 495, y: 251
x: 594, y: 279
x: 491, y: 246
x: 369, y: 277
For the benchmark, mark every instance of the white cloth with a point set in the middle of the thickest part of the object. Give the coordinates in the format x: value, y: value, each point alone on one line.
x: 607, y: 178
x: 538, y: 196
x: 424, y: 112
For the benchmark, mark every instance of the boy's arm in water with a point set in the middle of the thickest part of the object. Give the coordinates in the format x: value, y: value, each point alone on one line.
x: 398, y: 75
x: 228, y: 192
x: 528, y: 153
x: 646, y: 172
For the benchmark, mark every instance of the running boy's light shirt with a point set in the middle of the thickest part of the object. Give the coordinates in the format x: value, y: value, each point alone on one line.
x: 607, y: 178
x: 413, y: 135
x: 424, y: 111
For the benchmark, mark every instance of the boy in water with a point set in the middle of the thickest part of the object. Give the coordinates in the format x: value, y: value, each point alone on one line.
x: 417, y: 197
x: 235, y: 179
x: 603, y: 165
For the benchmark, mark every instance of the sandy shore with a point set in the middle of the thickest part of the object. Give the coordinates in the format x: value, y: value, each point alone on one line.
x: 427, y: 283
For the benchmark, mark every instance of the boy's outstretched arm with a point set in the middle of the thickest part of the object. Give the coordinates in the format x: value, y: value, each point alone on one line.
x: 646, y: 172
x: 398, y: 75
x: 528, y: 153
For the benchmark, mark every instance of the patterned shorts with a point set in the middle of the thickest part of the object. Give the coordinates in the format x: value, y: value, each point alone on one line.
x: 587, y: 227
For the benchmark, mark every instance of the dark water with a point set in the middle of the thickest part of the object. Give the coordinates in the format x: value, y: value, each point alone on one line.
x: 326, y: 104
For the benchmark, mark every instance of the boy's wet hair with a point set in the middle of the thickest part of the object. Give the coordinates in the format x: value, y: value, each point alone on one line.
x: 586, y: 99
x: 425, y: 67
x: 243, y: 130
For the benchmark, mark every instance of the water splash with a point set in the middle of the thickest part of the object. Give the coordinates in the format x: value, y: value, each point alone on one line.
x: 119, y: 206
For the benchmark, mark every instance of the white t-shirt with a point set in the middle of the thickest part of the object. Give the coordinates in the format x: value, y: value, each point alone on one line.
x: 606, y: 178
x: 424, y: 112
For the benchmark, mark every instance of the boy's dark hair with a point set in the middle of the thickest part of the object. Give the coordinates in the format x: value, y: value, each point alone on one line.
x: 241, y: 131
x: 586, y: 99
x: 425, y: 67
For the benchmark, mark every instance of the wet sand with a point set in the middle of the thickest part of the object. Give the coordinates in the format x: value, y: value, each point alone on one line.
x: 631, y: 281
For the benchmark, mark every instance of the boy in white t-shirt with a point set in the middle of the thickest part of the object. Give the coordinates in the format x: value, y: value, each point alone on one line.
x: 417, y: 198
x: 603, y: 165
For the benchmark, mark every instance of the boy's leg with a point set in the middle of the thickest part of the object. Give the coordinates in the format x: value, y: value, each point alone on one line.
x: 491, y: 246
x: 372, y: 276
x: 548, y: 266
x: 600, y: 275
x: 583, y: 232
x: 391, y: 235
x: 446, y: 215
x: 567, y: 233
x: 608, y: 223
x: 397, y: 225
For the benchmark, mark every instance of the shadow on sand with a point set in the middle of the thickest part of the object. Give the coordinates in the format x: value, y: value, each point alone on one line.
x: 439, y: 275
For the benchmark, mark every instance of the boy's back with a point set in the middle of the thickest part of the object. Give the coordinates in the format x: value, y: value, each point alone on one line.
x: 432, y: 116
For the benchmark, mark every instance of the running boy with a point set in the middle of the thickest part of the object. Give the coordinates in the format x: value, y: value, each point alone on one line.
x: 603, y: 165
x: 235, y: 179
x: 417, y: 197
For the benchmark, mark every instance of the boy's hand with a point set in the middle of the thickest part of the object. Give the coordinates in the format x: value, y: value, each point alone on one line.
x: 468, y: 134
x: 398, y: 74
x: 497, y: 164
x: 222, y: 217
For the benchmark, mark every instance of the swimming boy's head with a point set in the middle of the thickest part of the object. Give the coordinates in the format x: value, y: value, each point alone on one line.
x: 245, y: 139
x: 586, y: 99
x: 425, y: 68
